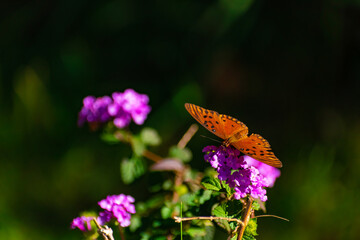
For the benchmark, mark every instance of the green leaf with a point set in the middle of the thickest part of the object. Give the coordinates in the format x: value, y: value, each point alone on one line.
x: 224, y: 225
x: 196, y: 198
x: 155, y: 202
x: 181, y: 190
x: 138, y: 146
x: 150, y: 137
x: 159, y: 237
x: 205, y: 196
x: 140, y: 166
x: 219, y: 211
x: 145, y: 236
x: 229, y: 191
x: 140, y: 208
x: 166, y: 212
x: 251, y: 228
x: 131, y: 169
x: 167, y: 184
x: 189, y: 199
x: 211, y: 183
x: 256, y: 205
x: 127, y: 171
x: 184, y: 154
x: 194, y: 232
x: 210, y: 232
x: 135, y: 223
x: 234, y: 237
x: 109, y: 138
x: 248, y: 237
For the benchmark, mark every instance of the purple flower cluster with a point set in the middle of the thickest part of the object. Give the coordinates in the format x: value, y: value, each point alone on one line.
x: 117, y: 206
x: 243, y: 173
x: 80, y: 222
x: 121, y: 108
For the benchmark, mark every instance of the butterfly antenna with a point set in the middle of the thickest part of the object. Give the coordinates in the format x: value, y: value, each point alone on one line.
x: 211, y: 138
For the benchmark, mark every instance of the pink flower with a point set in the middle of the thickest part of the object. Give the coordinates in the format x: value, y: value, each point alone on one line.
x: 269, y: 172
x: 80, y: 222
x: 244, y: 174
x: 117, y: 206
x: 121, y: 108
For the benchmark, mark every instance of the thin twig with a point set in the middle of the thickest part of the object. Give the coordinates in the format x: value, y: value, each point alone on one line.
x: 151, y: 156
x: 181, y: 227
x: 188, y: 135
x: 245, y: 218
x: 211, y: 218
x: 272, y: 216
x: 127, y: 137
x: 105, y: 232
x: 122, y: 235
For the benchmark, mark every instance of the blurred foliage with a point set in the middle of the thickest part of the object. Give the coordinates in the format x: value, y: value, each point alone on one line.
x: 289, y: 69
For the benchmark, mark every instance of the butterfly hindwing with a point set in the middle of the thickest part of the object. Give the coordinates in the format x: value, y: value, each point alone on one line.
x: 258, y: 148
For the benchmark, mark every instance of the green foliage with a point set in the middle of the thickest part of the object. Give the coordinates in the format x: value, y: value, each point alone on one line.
x: 132, y: 168
x: 220, y: 211
x: 256, y: 206
x: 184, y: 154
x: 248, y: 237
x: 109, y: 138
x: 150, y: 137
x: 251, y: 228
x: 138, y: 145
x: 211, y: 183
x: 209, y: 233
x: 135, y: 223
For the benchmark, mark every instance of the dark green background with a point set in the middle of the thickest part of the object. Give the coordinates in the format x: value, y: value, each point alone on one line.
x: 289, y: 69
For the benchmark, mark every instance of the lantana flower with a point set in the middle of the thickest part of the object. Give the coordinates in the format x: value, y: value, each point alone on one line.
x: 119, y: 207
x: 243, y: 173
x: 120, y: 108
x: 81, y: 222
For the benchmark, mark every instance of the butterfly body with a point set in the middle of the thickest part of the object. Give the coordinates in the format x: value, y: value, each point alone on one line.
x: 234, y: 133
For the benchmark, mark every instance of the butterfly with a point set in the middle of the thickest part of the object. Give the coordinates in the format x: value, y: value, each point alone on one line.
x: 234, y: 133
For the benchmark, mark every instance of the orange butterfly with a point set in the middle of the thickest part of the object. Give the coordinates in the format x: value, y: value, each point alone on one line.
x: 235, y: 133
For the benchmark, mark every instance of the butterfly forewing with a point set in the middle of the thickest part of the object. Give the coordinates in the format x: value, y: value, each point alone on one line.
x: 209, y: 119
x: 257, y: 147
x: 232, y: 126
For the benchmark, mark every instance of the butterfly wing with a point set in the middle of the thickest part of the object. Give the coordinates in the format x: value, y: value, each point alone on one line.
x: 233, y: 128
x: 221, y: 125
x: 257, y: 147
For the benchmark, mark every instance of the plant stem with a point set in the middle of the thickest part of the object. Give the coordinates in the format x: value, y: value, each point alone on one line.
x: 105, y: 231
x: 267, y: 215
x: 245, y: 218
x: 152, y: 156
x: 187, y: 136
x: 122, y: 235
x: 211, y: 218
x: 181, y: 234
